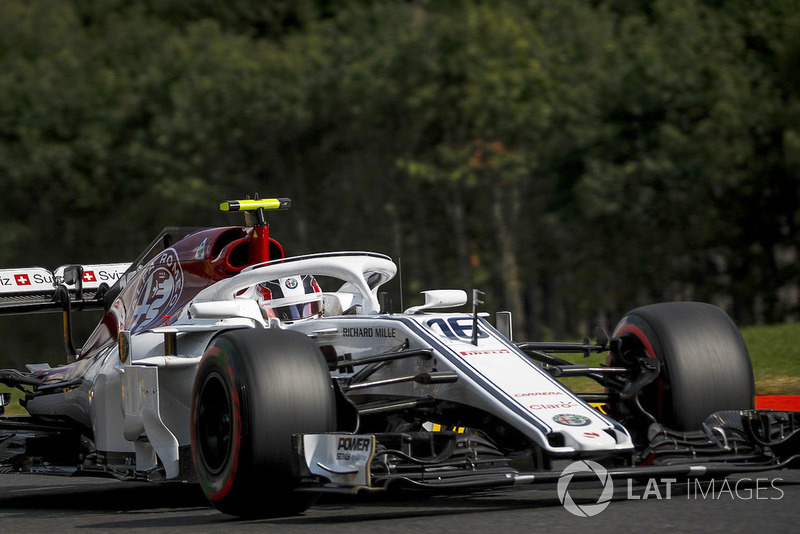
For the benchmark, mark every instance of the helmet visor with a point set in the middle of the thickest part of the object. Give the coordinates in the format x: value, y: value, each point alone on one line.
x: 295, y: 312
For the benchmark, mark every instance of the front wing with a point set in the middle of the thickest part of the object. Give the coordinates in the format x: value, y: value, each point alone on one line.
x: 731, y: 442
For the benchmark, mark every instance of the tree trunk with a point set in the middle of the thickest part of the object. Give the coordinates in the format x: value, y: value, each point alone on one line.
x: 509, y: 269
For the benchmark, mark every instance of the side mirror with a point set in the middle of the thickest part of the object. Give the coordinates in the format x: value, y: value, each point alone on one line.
x: 440, y: 298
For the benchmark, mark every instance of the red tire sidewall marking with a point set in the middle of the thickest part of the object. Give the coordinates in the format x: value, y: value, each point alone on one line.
x: 225, y: 367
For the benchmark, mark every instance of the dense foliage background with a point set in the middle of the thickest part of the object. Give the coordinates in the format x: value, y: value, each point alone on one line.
x: 572, y: 159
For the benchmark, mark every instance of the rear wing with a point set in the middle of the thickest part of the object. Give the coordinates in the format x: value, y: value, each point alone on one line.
x: 69, y: 288
x: 75, y: 287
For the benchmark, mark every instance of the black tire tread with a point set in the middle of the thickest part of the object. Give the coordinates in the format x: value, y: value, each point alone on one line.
x: 285, y: 388
x: 706, y: 363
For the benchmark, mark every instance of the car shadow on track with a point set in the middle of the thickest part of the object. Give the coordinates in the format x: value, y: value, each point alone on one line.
x: 116, y: 505
x: 159, y: 505
x: 107, y: 496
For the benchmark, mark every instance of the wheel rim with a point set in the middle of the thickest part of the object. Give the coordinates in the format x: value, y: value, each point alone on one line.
x: 214, y: 423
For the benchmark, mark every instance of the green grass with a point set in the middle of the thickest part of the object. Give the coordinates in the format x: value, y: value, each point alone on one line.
x: 774, y: 352
x: 14, y: 408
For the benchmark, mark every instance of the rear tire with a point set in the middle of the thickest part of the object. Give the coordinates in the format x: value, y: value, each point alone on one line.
x: 253, y: 390
x: 705, y: 366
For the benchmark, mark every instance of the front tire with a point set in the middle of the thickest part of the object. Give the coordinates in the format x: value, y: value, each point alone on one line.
x: 253, y: 390
x: 705, y: 366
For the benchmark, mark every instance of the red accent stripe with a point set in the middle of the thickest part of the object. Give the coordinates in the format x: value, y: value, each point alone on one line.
x: 789, y: 403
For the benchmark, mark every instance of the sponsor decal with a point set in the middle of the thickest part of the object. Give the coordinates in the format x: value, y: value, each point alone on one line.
x: 31, y: 278
x: 353, y: 444
x: 571, y: 419
x: 591, y: 435
x: 201, y: 250
x: 560, y: 405
x: 479, y: 352
x: 94, y: 275
x: 291, y: 283
x: 538, y: 393
x: 368, y: 332
x: 109, y: 276
x: 348, y: 448
x: 159, y: 292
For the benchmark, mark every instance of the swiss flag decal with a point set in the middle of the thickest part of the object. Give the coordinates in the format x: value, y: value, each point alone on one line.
x: 22, y: 280
x: 88, y: 276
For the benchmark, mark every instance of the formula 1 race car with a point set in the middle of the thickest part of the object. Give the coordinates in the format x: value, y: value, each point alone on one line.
x: 219, y: 360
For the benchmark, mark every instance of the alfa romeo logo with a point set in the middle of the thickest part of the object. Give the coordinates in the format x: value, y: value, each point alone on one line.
x: 585, y: 510
x: 571, y: 419
x: 159, y: 292
x: 291, y: 283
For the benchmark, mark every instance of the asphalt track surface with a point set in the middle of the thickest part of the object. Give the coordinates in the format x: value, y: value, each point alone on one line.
x: 754, y: 503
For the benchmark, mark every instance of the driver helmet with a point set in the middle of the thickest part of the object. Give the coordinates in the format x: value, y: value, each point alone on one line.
x: 289, y: 299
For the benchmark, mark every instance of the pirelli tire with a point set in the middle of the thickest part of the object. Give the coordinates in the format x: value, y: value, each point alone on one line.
x: 705, y: 365
x: 253, y: 389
